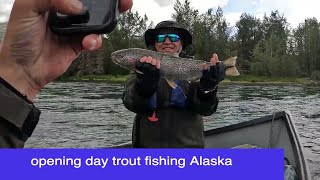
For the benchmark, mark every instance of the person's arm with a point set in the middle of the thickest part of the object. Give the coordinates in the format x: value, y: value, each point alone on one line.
x: 204, y: 98
x: 202, y: 103
x: 132, y: 100
x: 141, y: 86
x: 31, y: 56
x: 18, y: 117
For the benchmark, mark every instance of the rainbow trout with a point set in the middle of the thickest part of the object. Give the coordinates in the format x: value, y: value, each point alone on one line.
x: 172, y: 67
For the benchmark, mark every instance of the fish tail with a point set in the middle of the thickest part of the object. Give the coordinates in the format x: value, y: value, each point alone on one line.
x: 230, y: 62
x: 137, y: 71
x: 232, y: 71
x: 230, y: 66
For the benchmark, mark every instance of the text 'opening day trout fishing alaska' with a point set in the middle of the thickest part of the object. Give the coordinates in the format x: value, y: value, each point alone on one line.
x: 172, y: 68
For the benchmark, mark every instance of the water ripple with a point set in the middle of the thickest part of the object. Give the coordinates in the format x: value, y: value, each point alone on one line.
x: 92, y: 114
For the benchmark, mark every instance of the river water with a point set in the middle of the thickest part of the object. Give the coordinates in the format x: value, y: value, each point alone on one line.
x: 92, y: 114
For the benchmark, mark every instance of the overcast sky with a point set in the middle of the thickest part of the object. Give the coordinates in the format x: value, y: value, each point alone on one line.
x: 157, y: 10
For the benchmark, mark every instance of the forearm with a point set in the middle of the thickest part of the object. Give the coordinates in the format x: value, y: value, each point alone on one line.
x: 203, y: 103
x: 18, y: 117
x: 132, y: 100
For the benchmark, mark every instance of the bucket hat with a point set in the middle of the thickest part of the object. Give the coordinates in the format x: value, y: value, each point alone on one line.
x: 150, y: 34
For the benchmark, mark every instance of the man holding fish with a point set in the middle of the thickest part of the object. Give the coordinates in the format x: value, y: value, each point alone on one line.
x: 168, y: 107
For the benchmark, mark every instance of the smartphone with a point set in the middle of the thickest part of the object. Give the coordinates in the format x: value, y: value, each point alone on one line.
x: 99, y: 17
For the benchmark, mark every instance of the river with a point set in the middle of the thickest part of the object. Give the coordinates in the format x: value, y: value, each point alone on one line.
x: 92, y: 114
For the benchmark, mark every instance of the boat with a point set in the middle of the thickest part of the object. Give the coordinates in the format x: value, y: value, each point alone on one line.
x: 272, y: 131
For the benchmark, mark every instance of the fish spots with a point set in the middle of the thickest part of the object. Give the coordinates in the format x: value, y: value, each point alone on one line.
x: 171, y: 67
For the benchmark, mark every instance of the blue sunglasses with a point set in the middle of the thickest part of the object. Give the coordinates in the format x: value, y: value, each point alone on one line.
x: 172, y: 37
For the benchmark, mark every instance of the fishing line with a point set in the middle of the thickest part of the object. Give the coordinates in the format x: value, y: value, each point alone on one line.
x: 272, y: 126
x: 271, y: 129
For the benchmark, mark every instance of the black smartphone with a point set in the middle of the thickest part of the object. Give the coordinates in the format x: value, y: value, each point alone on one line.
x: 99, y: 17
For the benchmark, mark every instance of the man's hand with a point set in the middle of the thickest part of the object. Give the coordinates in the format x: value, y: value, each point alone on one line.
x: 31, y: 55
x: 213, y: 75
x: 148, y: 76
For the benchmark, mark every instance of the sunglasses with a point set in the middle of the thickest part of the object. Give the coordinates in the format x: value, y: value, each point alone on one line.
x: 172, y: 37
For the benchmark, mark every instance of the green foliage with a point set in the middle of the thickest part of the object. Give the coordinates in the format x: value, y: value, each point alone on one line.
x: 257, y: 68
x: 265, y: 47
x: 185, y: 15
x: 315, y: 75
x: 274, y: 53
x: 307, y: 37
x: 267, y: 79
x: 128, y: 34
x: 105, y: 78
x: 211, y: 32
x: 248, y: 36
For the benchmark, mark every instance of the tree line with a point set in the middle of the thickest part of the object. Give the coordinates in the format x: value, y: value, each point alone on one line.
x: 267, y: 46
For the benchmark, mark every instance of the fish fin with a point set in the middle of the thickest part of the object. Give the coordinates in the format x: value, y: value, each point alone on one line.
x: 232, y: 71
x: 137, y: 71
x: 171, y: 83
x: 231, y: 61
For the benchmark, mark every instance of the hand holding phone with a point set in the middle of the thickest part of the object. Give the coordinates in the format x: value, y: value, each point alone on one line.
x: 99, y: 17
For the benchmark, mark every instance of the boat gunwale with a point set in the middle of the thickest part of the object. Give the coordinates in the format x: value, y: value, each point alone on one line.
x: 277, y: 116
x: 301, y: 163
x: 295, y: 138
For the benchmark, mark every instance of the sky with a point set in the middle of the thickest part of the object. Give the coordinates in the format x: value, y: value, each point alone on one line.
x: 157, y: 10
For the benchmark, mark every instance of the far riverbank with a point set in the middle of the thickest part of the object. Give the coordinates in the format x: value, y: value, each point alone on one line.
x: 243, y: 79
